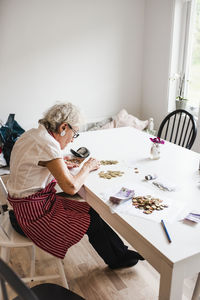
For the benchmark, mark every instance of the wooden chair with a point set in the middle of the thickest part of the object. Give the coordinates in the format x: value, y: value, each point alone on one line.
x: 179, y: 127
x: 9, y: 238
x: 39, y: 292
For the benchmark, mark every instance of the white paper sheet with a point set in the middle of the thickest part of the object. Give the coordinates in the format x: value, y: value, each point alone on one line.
x: 170, y: 214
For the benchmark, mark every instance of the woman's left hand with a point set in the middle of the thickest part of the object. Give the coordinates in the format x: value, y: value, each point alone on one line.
x: 71, y: 163
x: 92, y: 164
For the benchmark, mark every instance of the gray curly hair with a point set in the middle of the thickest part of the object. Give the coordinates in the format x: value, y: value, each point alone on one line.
x: 60, y: 113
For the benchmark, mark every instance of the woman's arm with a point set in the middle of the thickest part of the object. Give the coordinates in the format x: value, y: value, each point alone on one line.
x: 69, y: 183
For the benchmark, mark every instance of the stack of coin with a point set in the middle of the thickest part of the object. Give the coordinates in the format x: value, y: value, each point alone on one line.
x: 108, y: 162
x: 136, y: 170
x: 150, y: 176
x: 148, y: 203
x: 110, y: 174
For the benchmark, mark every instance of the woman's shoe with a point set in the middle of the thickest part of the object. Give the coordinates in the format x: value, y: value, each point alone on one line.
x: 124, y: 264
x: 132, y: 254
x: 129, y: 260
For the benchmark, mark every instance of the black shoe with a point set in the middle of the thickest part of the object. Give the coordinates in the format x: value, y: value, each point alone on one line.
x: 124, y: 264
x: 132, y: 254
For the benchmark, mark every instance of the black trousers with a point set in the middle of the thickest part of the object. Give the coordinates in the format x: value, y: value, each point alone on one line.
x: 101, y: 236
x: 14, y: 223
x: 104, y: 240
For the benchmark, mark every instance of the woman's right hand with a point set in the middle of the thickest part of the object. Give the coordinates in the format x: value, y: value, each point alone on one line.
x: 92, y: 164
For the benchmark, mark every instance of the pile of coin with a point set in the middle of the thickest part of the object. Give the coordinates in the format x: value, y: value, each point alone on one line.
x: 110, y: 174
x: 148, y: 203
x: 136, y: 170
x: 108, y: 162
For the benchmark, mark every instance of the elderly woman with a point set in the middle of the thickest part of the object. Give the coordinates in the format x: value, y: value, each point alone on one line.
x: 53, y: 222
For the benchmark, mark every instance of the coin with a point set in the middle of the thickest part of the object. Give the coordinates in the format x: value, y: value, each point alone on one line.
x: 110, y: 174
x: 108, y: 162
x: 148, y: 203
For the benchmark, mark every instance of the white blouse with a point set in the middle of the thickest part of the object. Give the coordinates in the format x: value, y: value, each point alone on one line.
x: 26, y: 177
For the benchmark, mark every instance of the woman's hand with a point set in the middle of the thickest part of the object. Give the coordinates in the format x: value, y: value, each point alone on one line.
x: 71, y: 165
x: 92, y: 164
x: 69, y: 183
x: 72, y: 162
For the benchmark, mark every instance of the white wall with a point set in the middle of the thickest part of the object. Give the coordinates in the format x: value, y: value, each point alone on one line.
x: 87, y: 52
x: 157, y: 49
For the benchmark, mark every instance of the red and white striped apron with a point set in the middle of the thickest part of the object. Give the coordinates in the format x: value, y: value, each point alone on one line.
x: 52, y: 222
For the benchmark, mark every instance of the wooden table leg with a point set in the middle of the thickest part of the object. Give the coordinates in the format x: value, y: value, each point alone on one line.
x: 196, y: 293
x: 171, y: 282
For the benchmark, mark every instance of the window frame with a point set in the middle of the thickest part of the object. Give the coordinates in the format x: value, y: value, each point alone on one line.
x: 181, y: 52
x: 188, y: 40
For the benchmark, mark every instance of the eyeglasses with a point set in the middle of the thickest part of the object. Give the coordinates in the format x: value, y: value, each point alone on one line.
x: 76, y: 134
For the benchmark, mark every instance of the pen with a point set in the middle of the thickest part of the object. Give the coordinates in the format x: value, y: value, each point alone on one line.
x: 165, y: 229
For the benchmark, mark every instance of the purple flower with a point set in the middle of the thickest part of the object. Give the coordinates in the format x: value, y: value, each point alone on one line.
x: 157, y: 140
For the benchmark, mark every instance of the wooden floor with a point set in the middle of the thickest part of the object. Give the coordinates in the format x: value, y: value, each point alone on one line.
x: 89, y: 277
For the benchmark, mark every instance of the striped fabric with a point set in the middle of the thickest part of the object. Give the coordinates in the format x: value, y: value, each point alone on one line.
x: 52, y: 222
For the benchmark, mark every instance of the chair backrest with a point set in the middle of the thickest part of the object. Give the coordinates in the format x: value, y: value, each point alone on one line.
x: 9, y: 276
x: 179, y: 127
x: 46, y: 291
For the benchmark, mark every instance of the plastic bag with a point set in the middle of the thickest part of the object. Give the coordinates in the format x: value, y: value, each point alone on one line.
x: 9, y: 133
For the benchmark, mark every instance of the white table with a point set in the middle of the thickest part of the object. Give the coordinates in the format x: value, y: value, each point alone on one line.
x: 174, y: 261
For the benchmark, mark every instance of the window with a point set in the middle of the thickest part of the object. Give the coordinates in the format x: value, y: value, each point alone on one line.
x: 193, y: 65
x: 185, y: 60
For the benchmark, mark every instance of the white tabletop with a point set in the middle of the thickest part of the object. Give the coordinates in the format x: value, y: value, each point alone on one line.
x: 177, y: 165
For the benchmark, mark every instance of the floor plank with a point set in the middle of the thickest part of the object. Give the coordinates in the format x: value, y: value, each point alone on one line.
x: 88, y: 275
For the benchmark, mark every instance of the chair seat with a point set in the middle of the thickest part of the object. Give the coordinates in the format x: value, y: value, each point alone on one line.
x: 52, y: 291
x: 9, y: 239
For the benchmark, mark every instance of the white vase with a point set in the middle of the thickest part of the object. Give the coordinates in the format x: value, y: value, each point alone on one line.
x: 181, y: 104
x: 155, y: 151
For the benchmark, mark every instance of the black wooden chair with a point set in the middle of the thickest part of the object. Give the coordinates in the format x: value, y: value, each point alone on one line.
x: 44, y: 291
x: 179, y: 127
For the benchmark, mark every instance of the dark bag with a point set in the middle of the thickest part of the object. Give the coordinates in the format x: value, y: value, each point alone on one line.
x: 9, y: 133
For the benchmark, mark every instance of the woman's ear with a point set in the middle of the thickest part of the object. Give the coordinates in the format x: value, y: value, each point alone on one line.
x: 62, y: 127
